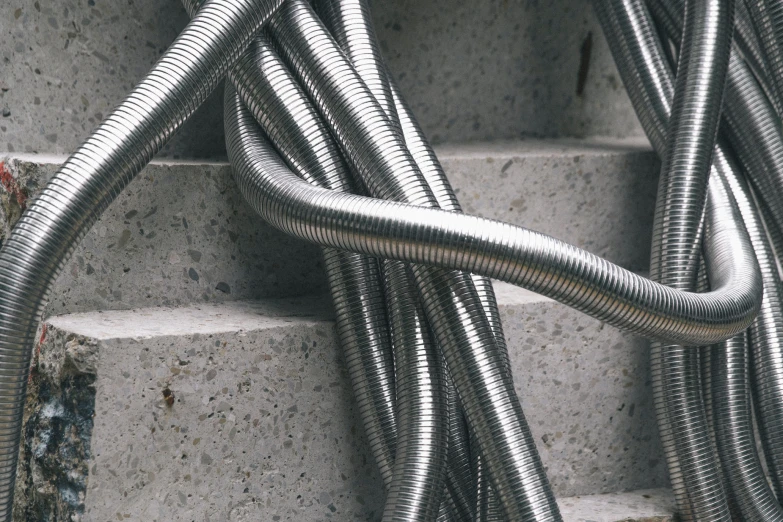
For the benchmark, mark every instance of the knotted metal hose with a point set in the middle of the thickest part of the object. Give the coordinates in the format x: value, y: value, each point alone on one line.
x: 630, y: 35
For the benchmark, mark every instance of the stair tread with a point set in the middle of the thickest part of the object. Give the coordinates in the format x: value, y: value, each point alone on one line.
x: 648, y: 505
x: 229, y: 316
x: 529, y: 147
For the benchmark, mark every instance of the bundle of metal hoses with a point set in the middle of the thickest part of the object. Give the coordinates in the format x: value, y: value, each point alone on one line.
x: 324, y: 148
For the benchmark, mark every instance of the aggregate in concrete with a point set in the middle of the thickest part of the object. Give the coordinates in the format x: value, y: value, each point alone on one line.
x: 224, y: 411
x: 181, y: 233
x: 471, y: 70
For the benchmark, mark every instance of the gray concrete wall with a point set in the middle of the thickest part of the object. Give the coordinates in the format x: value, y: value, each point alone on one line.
x: 494, y: 69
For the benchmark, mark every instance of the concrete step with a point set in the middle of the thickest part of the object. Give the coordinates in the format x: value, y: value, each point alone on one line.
x: 652, y: 505
x: 181, y: 232
x: 227, y: 411
x: 471, y: 71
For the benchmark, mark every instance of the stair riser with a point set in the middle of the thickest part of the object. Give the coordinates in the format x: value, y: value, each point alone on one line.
x: 273, y: 412
x: 472, y: 71
x: 181, y: 232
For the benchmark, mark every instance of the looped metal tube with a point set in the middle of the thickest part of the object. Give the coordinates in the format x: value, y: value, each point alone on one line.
x: 753, y: 128
x: 48, y: 231
x: 629, y: 34
x: 378, y: 155
x: 690, y: 140
x: 545, y: 265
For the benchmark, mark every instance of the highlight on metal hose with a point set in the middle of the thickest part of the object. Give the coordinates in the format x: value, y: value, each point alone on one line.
x: 49, y: 230
x: 377, y: 153
x: 629, y: 32
x: 754, y: 131
x: 676, y: 245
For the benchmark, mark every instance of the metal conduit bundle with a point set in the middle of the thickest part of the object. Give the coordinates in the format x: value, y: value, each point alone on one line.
x: 324, y: 147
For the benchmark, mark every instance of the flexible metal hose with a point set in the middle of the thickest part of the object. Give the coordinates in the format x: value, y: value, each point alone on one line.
x: 690, y: 140
x: 410, y: 494
x: 289, y: 119
x: 51, y: 227
x: 422, y: 443
x: 767, y: 326
x: 766, y: 29
x: 378, y: 154
x: 754, y: 129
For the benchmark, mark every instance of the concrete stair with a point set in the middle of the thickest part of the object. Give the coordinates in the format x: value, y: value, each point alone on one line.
x: 182, y: 233
x: 162, y: 395
x: 188, y: 368
x: 218, y: 411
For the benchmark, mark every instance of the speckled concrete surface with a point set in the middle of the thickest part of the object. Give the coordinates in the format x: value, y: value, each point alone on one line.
x: 262, y: 416
x: 180, y: 233
x: 259, y: 422
x: 471, y: 70
x: 654, y: 505
x: 598, y: 194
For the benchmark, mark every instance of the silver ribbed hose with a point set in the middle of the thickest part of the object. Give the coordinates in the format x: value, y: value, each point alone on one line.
x: 411, y: 494
x: 690, y: 141
x: 422, y: 441
x: 762, y: 13
x: 754, y: 130
x: 750, y: 486
x: 378, y: 154
x: 444, y: 194
x: 289, y: 119
x: 51, y: 227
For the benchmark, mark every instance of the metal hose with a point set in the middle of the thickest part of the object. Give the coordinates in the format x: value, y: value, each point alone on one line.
x: 767, y: 326
x: 420, y: 466
x: 51, y: 227
x: 377, y: 153
x: 754, y: 130
x: 762, y: 12
x: 690, y: 140
x: 289, y: 119
x: 411, y: 493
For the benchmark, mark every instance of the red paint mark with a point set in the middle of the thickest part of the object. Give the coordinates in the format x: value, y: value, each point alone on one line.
x: 12, y: 186
x: 37, y: 354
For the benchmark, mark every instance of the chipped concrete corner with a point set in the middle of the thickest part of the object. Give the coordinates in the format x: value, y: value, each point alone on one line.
x: 20, y: 181
x: 58, y: 423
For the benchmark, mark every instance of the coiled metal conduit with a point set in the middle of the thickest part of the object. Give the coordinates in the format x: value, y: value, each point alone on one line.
x: 386, y: 150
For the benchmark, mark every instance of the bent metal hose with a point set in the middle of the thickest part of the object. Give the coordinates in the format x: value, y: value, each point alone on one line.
x: 124, y: 143
x: 376, y: 151
x: 49, y: 230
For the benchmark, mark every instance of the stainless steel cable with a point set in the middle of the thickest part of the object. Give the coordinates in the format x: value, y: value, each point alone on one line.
x: 51, y: 227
